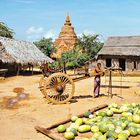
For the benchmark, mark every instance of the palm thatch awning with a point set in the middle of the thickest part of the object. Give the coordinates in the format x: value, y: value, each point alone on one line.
x: 21, y: 52
x: 121, y: 46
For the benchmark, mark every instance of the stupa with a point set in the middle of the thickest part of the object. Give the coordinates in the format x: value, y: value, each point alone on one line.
x: 66, y: 39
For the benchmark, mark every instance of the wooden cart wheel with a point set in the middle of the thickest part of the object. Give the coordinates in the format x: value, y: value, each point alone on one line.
x: 42, y: 83
x: 58, y: 88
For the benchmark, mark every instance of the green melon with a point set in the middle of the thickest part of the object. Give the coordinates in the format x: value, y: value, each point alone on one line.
x: 123, y: 136
x: 86, y: 114
x: 109, y: 113
x: 79, y: 121
x: 84, y: 128
x: 112, y: 134
x: 101, y: 113
x: 69, y: 135
x: 94, y: 128
x: 74, y: 131
x: 133, y: 131
x: 103, y: 128
x: 74, y: 118
x: 97, y: 135
x: 61, y: 128
x: 136, y: 118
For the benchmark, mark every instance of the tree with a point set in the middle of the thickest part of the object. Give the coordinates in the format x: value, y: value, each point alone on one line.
x: 5, y: 31
x: 89, y: 44
x: 45, y: 45
x: 85, y: 49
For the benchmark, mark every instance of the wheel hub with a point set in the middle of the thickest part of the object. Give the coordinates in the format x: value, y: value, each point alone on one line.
x: 59, y: 89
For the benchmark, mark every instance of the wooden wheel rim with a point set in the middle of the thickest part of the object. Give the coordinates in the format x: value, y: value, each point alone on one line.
x: 42, y: 83
x: 51, y: 84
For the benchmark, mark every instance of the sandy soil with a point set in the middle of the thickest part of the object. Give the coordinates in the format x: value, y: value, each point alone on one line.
x: 18, y: 124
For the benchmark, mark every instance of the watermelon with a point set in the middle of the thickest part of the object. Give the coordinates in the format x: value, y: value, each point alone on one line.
x: 84, y: 128
x: 86, y: 114
x: 79, y: 121
x: 97, y: 135
x: 103, y: 128
x: 74, y: 125
x: 109, y: 113
x: 61, y: 128
x: 74, y: 118
x: 136, y: 118
x: 112, y: 134
x: 74, y: 131
x: 94, y: 128
x: 101, y: 113
x: 91, y: 116
x: 133, y: 131
x: 138, y: 130
x: 126, y: 132
x: 122, y: 136
x: 69, y: 135
x: 102, y: 137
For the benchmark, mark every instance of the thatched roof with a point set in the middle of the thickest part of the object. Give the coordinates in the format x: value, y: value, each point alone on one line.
x: 22, y: 52
x: 121, y: 46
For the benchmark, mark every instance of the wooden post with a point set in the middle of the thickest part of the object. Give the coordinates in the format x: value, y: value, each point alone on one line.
x: 32, y: 69
x: 64, y: 64
x: 69, y: 119
x: 18, y: 69
x: 110, y: 84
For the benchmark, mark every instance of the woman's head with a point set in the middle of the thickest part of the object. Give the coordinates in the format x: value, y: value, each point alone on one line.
x: 99, y: 65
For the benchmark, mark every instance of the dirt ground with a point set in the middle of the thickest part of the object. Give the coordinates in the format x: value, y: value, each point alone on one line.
x: 18, y: 124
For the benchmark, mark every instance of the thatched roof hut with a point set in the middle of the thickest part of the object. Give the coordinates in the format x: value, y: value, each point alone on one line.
x: 21, y: 52
x: 121, y: 46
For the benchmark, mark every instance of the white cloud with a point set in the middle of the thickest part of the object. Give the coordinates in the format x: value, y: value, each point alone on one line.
x: 36, y: 33
x: 34, y: 30
x: 50, y: 34
x: 86, y: 32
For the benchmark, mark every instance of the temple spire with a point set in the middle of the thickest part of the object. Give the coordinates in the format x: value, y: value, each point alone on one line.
x: 67, y: 22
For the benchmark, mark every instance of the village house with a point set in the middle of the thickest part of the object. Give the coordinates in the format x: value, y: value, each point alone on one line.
x: 123, y: 51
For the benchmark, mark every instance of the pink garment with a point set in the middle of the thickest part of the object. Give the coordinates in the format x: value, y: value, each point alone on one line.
x: 97, y: 86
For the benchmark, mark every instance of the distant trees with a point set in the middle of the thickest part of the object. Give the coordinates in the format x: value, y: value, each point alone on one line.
x: 85, y: 49
x: 45, y: 45
x: 5, y: 31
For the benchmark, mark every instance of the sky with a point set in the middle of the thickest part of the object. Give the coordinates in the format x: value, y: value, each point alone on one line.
x: 33, y: 19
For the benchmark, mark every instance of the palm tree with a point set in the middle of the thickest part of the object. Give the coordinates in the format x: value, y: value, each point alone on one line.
x: 5, y: 31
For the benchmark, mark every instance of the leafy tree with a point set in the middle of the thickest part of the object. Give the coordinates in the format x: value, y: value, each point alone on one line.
x: 89, y: 44
x: 45, y: 45
x: 5, y: 31
x: 85, y: 49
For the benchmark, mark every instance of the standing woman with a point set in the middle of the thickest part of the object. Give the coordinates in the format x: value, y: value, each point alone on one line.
x: 97, y: 79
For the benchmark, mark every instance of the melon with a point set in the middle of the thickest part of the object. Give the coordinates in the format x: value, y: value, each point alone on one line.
x: 136, y: 118
x: 103, y: 128
x: 61, y: 128
x: 94, y: 128
x: 84, y: 128
x: 109, y: 113
x: 79, y: 121
x: 69, y: 135
x: 96, y: 135
x: 133, y: 131
x: 74, y: 131
x: 86, y: 114
x: 123, y: 136
x: 112, y: 134
x: 74, y: 118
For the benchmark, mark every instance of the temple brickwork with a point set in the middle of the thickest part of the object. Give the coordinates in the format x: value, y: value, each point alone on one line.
x: 66, y: 39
